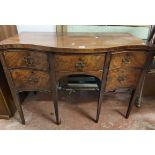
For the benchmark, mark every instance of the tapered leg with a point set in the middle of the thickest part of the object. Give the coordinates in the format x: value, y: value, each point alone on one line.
x: 22, y: 117
x: 56, y: 108
x: 57, y: 113
x: 131, y: 103
x: 139, y: 99
x: 54, y: 87
x: 140, y: 82
x: 99, y: 104
x: 102, y: 86
x: 19, y: 107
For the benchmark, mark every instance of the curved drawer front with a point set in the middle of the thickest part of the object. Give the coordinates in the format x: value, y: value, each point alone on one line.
x: 30, y: 80
x: 122, y: 78
x: 128, y: 59
x: 79, y: 62
x: 97, y: 74
x: 27, y: 59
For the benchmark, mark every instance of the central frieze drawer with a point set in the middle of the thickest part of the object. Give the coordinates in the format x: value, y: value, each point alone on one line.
x: 79, y: 63
x: 27, y: 59
x: 30, y: 80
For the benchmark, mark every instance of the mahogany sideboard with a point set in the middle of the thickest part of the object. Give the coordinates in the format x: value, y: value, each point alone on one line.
x: 35, y: 61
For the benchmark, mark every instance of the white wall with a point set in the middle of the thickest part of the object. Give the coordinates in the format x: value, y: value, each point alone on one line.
x: 139, y: 31
x: 36, y: 28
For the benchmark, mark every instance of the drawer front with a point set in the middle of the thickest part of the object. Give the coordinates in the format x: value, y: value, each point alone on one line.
x: 79, y: 63
x: 26, y: 59
x: 97, y: 74
x: 30, y: 80
x: 128, y: 59
x: 122, y: 78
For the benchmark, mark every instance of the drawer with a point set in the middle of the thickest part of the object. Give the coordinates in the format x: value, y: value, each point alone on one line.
x: 122, y: 78
x: 17, y: 59
x: 97, y: 74
x: 128, y: 59
x: 30, y: 80
x: 79, y: 63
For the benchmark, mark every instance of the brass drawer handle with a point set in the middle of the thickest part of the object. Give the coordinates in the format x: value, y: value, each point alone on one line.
x: 80, y: 65
x: 126, y: 59
x: 33, y: 80
x: 121, y: 79
x: 29, y: 60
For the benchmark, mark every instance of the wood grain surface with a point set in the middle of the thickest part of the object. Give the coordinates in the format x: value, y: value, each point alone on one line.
x: 79, y: 62
x: 30, y: 80
x: 27, y: 59
x: 128, y: 59
x: 122, y: 78
x: 72, y: 42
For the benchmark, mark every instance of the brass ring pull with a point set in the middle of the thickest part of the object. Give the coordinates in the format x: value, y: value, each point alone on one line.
x: 121, y: 79
x: 28, y: 60
x: 126, y: 59
x: 80, y: 65
x: 33, y: 80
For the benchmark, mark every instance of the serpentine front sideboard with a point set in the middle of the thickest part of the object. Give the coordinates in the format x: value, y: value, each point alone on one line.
x: 37, y: 61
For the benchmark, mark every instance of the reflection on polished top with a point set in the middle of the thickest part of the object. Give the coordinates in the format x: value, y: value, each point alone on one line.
x: 72, y: 40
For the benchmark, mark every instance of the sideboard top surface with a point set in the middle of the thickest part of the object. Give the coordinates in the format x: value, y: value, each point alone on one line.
x: 71, y: 41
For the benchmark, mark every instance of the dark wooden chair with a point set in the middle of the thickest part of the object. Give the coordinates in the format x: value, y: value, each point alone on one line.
x: 151, y: 42
x: 125, y: 69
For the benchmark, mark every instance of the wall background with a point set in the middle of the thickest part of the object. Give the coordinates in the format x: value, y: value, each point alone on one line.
x: 139, y: 31
x: 36, y: 28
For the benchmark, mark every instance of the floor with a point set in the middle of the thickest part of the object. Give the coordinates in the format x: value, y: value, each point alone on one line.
x: 78, y: 111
